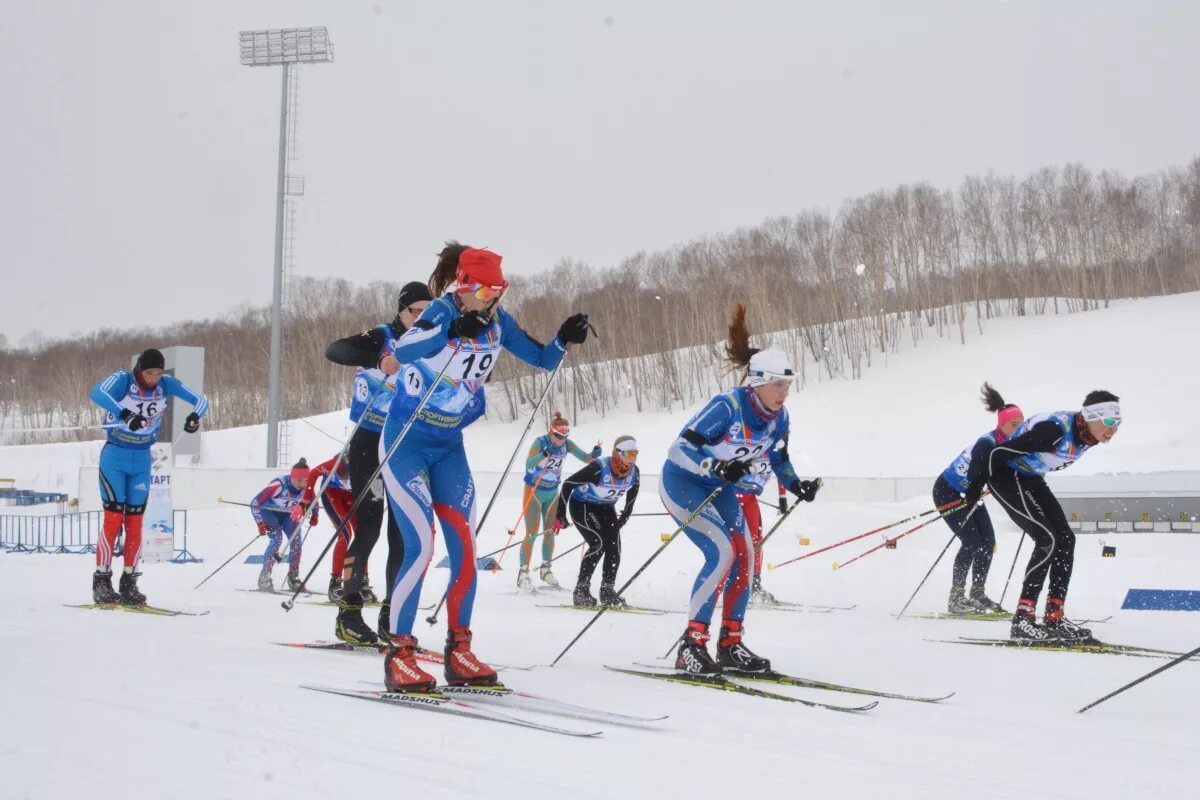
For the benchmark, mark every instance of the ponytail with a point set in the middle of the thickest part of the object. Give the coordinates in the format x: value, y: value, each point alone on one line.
x: 992, y: 399
x: 447, y: 267
x: 737, y: 346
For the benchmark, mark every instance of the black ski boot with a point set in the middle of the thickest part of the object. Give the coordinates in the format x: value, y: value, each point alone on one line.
x: 335, y: 588
x: 958, y: 602
x: 693, y: 657
x: 733, y: 656
x: 293, y: 581
x: 760, y: 596
x: 583, y: 596
x: 350, y: 627
x: 368, y: 594
x: 102, y: 590
x: 1061, y: 628
x: 610, y: 598
x: 1025, y: 627
x: 984, y: 604
x: 385, y: 621
x: 130, y: 596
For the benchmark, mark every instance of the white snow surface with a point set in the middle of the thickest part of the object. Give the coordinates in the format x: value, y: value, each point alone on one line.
x: 114, y: 705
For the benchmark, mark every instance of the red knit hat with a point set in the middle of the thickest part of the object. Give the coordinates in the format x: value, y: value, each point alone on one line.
x: 476, y: 265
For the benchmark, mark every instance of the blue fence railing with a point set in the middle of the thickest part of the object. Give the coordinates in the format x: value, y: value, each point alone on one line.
x: 76, y: 532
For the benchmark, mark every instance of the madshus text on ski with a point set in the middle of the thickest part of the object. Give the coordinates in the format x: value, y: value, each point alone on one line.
x: 418, y: 384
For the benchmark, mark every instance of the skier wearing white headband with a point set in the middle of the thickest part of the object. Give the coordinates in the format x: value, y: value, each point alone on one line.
x: 1015, y: 470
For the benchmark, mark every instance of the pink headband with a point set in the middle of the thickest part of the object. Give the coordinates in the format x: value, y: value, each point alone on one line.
x: 299, y: 474
x: 1008, y: 414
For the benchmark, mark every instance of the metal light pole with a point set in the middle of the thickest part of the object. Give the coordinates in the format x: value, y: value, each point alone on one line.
x: 281, y: 47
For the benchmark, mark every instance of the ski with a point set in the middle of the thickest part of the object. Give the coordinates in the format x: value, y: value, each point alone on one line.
x: 154, y: 611
x: 797, y: 609
x: 517, y: 699
x: 1004, y: 616
x: 287, y: 592
x: 808, y: 683
x: 1104, y: 648
x: 786, y: 605
x: 656, y: 612
x: 723, y: 684
x: 332, y: 603
x: 449, y: 705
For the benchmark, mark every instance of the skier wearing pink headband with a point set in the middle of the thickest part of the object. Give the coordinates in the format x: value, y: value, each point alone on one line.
x: 974, y: 530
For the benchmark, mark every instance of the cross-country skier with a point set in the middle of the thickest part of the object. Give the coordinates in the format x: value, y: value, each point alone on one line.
x: 337, y: 499
x: 135, y: 401
x: 272, y: 512
x: 459, y: 338
x: 543, y: 472
x: 974, y: 530
x: 718, y: 449
x: 373, y: 352
x: 1015, y: 470
x: 592, y: 495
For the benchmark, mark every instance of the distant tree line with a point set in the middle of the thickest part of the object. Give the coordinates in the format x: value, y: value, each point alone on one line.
x: 835, y: 289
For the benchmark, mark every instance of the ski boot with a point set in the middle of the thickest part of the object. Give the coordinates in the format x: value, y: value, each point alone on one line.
x: 760, y: 596
x: 102, y: 590
x: 610, y: 598
x: 582, y: 596
x: 368, y: 594
x: 293, y: 581
x: 733, y: 656
x: 400, y: 670
x: 692, y: 657
x: 463, y: 668
x: 385, y: 620
x: 524, y: 584
x: 958, y: 602
x: 265, y: 582
x: 350, y: 627
x: 1025, y: 627
x: 130, y: 596
x: 984, y: 604
x: 335, y: 588
x: 548, y: 577
x: 1061, y: 628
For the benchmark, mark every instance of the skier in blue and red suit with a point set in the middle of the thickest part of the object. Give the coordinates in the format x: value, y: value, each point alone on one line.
x: 135, y: 401
x: 720, y: 449
x: 273, y: 509
x: 459, y: 336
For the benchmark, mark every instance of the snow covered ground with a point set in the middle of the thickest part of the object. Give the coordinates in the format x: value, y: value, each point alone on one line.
x: 106, y: 704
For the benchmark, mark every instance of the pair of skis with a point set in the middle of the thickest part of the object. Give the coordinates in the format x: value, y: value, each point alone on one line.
x: 153, y: 611
x: 482, y: 702
x: 730, y: 683
x: 1060, y: 646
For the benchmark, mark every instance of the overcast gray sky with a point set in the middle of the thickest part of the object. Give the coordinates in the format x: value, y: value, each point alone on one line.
x: 137, y: 166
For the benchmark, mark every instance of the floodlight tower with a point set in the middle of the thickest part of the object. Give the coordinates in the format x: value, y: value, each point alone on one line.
x: 282, y: 47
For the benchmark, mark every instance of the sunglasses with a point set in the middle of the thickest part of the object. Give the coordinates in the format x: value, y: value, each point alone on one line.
x: 628, y: 453
x: 1109, y: 422
x: 485, y: 293
x: 560, y: 435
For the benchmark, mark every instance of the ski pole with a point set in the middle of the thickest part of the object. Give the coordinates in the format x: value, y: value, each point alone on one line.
x: 652, y: 514
x: 572, y: 550
x: 432, y: 618
x: 291, y: 601
x: 1016, y: 555
x: 231, y: 558
x: 521, y: 517
x: 951, y: 504
x: 936, y: 561
x: 784, y: 516
x: 699, y: 509
x: 509, y: 546
x: 900, y: 536
x: 1147, y: 676
x: 232, y: 502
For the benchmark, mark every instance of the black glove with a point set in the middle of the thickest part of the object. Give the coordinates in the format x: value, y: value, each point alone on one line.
x: 134, y: 420
x: 469, y: 325
x: 731, y: 471
x: 783, y: 504
x: 621, y: 520
x: 971, y: 497
x: 575, y: 329
x: 192, y: 423
x: 805, y: 490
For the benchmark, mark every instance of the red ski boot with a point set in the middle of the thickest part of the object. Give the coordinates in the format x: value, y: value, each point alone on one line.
x: 400, y: 670
x: 463, y: 668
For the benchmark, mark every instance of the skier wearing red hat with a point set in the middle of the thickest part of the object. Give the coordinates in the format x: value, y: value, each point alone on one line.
x: 447, y: 356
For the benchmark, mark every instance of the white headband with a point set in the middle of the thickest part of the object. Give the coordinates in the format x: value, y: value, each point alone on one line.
x: 628, y: 444
x: 1109, y: 409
